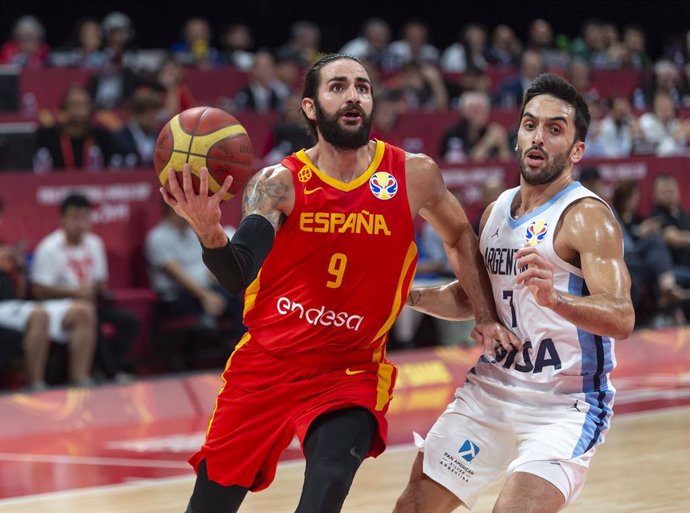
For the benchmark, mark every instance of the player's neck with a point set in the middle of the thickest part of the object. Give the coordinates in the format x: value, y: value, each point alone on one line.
x: 533, y: 196
x: 343, y: 165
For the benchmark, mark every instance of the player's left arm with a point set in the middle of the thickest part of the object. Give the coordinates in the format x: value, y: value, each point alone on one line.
x: 588, y: 230
x: 434, y: 202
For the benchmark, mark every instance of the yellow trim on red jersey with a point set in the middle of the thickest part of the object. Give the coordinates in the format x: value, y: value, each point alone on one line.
x: 250, y: 293
x: 346, y: 186
x: 399, y: 295
x: 383, y: 387
x: 245, y: 338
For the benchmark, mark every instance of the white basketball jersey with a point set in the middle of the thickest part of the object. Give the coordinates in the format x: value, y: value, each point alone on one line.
x: 557, y: 356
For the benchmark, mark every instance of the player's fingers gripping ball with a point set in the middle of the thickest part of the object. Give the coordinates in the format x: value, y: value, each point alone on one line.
x: 205, y: 137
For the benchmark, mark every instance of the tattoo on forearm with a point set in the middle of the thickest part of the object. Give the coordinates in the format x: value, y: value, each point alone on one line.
x: 560, y: 299
x: 414, y: 297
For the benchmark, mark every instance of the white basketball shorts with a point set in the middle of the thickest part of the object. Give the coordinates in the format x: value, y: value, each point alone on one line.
x: 14, y: 314
x: 491, y: 430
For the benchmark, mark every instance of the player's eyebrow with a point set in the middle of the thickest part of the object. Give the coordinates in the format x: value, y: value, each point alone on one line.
x: 552, y: 118
x: 343, y: 79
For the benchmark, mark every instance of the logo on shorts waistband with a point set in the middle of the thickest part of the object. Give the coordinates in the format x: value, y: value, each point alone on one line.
x: 468, y: 451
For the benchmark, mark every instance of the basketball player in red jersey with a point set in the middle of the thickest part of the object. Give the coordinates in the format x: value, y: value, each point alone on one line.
x: 327, y: 255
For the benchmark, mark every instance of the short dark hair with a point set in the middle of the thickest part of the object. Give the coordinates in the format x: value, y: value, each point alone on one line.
x: 312, y: 80
x: 74, y: 200
x: 552, y: 85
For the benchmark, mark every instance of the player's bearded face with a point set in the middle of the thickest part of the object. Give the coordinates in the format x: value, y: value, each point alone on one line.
x: 553, y: 167
x: 348, y: 137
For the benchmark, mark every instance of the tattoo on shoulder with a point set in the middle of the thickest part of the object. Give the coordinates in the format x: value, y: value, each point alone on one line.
x: 414, y: 297
x: 263, y: 194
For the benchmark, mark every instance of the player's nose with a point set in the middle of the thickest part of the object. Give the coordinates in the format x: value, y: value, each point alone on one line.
x: 538, y: 136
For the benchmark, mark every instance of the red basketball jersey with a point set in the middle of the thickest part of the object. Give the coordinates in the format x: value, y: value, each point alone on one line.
x: 341, y: 266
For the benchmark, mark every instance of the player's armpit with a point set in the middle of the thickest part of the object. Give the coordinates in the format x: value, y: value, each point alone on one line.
x: 271, y: 194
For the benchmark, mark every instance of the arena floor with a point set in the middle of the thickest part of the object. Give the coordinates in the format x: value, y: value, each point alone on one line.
x: 109, y: 466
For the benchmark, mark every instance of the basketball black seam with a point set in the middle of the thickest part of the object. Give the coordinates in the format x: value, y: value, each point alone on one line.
x: 190, y: 154
x: 191, y: 139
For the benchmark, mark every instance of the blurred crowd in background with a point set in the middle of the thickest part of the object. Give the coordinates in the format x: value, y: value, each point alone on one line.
x: 110, y: 122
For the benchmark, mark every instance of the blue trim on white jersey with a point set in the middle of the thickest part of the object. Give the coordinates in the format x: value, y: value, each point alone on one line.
x: 597, y: 362
x: 596, y: 420
x: 514, y: 223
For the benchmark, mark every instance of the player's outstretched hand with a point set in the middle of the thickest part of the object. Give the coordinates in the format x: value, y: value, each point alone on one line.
x: 491, y: 334
x: 537, y: 276
x: 200, y: 210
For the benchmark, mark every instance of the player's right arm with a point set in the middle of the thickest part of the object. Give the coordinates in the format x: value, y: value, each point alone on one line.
x: 449, y: 301
x: 268, y: 198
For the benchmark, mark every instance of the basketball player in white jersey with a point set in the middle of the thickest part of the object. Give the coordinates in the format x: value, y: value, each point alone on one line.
x: 554, y: 254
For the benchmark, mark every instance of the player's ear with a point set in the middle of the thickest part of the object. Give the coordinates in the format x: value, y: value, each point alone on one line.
x: 577, y: 152
x: 309, y: 108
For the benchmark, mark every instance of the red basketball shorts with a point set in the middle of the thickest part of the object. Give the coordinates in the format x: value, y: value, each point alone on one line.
x: 266, y: 401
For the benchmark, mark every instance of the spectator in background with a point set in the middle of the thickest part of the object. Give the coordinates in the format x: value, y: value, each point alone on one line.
x: 420, y: 86
x: 616, y: 132
x: 666, y: 79
x: 73, y: 142
x: 118, y: 34
x: 262, y: 93
x: 646, y: 254
x: 26, y: 49
x: 71, y: 263
x: 468, y: 53
x: 182, y: 281
x: 176, y: 96
x: 289, y: 134
x: 661, y: 129
x: 236, y: 43
x: 32, y: 325
x: 288, y: 71
x: 471, y: 80
x: 195, y: 47
x: 372, y: 44
x: 505, y: 48
x: 579, y: 74
x: 509, y: 93
x: 474, y: 138
x: 133, y: 144
x: 591, y: 45
x: 635, y: 43
x: 386, y: 116
x: 540, y: 39
x: 675, y: 224
x: 413, y: 46
x: 304, y: 43
x: 85, y: 48
x: 115, y: 82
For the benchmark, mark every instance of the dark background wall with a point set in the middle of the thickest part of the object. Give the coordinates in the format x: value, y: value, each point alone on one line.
x: 158, y: 22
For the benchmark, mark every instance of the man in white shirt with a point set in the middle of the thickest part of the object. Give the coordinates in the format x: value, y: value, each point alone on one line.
x: 71, y: 263
x: 184, y: 284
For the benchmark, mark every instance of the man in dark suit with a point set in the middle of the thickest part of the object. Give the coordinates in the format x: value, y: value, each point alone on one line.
x: 263, y: 93
x: 134, y: 143
x: 509, y: 94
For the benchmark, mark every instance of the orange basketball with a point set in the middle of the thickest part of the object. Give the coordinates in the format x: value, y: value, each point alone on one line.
x: 205, y: 137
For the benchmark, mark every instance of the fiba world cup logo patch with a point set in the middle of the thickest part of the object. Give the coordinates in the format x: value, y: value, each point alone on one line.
x: 383, y: 185
x: 536, y: 232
